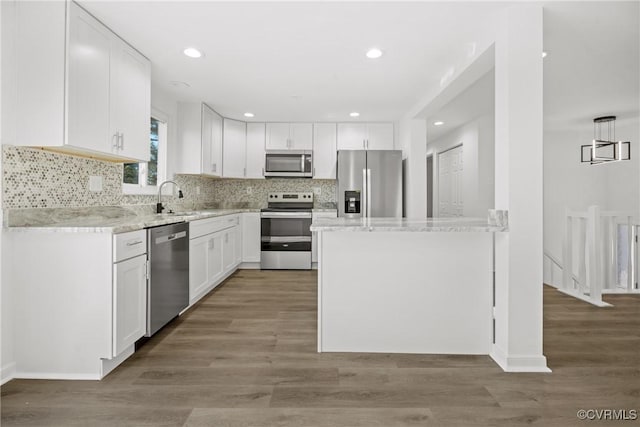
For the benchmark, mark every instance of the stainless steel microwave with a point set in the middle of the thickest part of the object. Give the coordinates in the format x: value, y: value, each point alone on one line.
x: 288, y: 164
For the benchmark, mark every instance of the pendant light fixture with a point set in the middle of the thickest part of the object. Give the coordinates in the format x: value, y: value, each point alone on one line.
x: 605, y: 150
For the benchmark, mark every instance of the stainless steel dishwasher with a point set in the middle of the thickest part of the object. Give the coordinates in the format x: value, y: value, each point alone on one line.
x: 168, y: 286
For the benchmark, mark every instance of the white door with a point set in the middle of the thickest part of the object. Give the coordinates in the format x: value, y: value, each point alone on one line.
x: 351, y: 136
x: 214, y: 257
x: 198, y: 267
x: 130, y: 302
x: 301, y: 136
x: 234, y: 149
x: 324, y: 151
x: 130, y: 100
x: 251, y: 237
x: 255, y: 150
x: 211, y: 142
x: 379, y: 136
x: 277, y: 136
x: 228, y: 250
x: 88, y: 83
x: 450, y: 182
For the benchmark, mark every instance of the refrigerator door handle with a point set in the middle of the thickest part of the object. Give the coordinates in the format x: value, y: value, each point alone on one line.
x: 368, y: 192
x: 365, y: 193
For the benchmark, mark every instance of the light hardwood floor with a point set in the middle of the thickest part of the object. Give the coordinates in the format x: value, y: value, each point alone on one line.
x: 246, y: 356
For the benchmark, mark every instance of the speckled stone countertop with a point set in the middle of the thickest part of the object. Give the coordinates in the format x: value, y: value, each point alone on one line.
x: 325, y: 207
x: 108, y: 219
x: 405, y: 224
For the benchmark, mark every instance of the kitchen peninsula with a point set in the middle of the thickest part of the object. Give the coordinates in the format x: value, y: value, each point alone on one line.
x: 397, y: 285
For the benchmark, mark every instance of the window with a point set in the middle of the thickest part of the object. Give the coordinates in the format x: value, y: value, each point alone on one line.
x: 143, y: 178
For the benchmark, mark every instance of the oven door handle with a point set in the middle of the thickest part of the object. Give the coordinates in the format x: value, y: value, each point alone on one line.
x: 293, y: 215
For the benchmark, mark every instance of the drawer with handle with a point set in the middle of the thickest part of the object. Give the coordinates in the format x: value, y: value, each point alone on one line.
x: 128, y: 245
x: 211, y: 225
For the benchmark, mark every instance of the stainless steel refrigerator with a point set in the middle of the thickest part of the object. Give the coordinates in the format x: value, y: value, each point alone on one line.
x: 370, y: 183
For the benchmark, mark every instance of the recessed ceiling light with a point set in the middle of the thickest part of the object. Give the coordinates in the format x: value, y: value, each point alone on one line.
x: 248, y: 114
x: 192, y: 52
x: 178, y: 83
x: 544, y: 54
x: 374, y: 53
x: 354, y: 114
x: 438, y: 123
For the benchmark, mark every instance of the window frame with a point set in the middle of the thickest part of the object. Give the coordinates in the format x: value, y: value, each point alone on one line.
x: 142, y: 188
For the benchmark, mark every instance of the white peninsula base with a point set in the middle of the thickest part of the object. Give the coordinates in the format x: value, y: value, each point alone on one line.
x: 404, y: 291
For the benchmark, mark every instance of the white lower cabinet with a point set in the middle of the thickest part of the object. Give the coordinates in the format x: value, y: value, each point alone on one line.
x: 251, y: 237
x: 82, y: 304
x: 130, y: 302
x: 214, y: 253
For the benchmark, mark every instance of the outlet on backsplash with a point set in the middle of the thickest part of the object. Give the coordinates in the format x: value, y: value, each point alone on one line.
x: 95, y: 183
x: 249, y: 190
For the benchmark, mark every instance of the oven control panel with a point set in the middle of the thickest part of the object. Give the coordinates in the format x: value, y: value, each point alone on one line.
x: 291, y: 197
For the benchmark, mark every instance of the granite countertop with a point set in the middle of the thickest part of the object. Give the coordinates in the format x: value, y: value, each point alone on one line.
x: 325, y: 207
x: 406, y: 224
x: 104, y: 220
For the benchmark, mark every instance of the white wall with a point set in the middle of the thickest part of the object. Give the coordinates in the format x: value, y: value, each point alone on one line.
x: 569, y: 184
x: 7, y: 359
x: 168, y: 106
x: 477, y: 138
x: 413, y: 143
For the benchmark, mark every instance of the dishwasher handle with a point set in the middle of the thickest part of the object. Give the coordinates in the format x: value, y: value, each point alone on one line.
x: 170, y: 237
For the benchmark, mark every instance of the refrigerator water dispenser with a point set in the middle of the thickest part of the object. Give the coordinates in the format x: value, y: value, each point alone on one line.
x: 352, y: 202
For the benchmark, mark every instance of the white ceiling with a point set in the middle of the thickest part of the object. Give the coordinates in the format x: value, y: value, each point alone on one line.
x: 304, y: 61
x: 299, y: 60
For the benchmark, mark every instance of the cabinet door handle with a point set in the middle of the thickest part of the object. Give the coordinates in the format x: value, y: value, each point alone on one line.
x: 115, y: 140
x: 121, y: 145
x: 244, y: 172
x: 137, y: 242
x: 364, y: 144
x: 213, y: 167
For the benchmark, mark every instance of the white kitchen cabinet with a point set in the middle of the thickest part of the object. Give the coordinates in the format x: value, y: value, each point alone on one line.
x: 314, y: 235
x: 86, y: 324
x: 130, y: 100
x: 214, y: 248
x: 234, y: 148
x: 130, y: 302
x: 365, y: 136
x: 255, y: 150
x: 251, y: 237
x: 324, y: 151
x: 229, y: 249
x: 289, y: 136
x: 91, y: 89
x: 199, y: 140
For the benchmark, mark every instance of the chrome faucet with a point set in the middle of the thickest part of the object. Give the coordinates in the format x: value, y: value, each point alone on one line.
x: 159, y: 207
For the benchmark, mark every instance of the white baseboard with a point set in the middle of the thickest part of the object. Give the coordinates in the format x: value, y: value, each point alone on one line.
x: 584, y: 298
x: 109, y: 365
x: 7, y: 373
x: 249, y: 266
x: 56, y: 376
x: 518, y: 363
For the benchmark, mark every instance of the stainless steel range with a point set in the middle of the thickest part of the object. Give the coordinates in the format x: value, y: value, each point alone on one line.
x: 285, y: 234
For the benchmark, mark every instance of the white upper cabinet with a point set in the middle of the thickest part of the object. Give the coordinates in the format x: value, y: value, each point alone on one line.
x: 199, y: 140
x: 324, y: 151
x: 234, y: 149
x: 89, y: 84
x: 380, y: 136
x: 130, y: 100
x: 255, y: 150
x: 211, y: 142
x: 289, y: 136
x: 91, y: 89
x: 365, y: 136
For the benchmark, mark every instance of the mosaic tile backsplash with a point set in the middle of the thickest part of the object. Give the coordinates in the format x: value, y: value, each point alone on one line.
x: 35, y: 178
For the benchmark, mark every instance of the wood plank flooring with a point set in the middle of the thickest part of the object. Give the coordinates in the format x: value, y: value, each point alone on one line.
x: 246, y: 356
